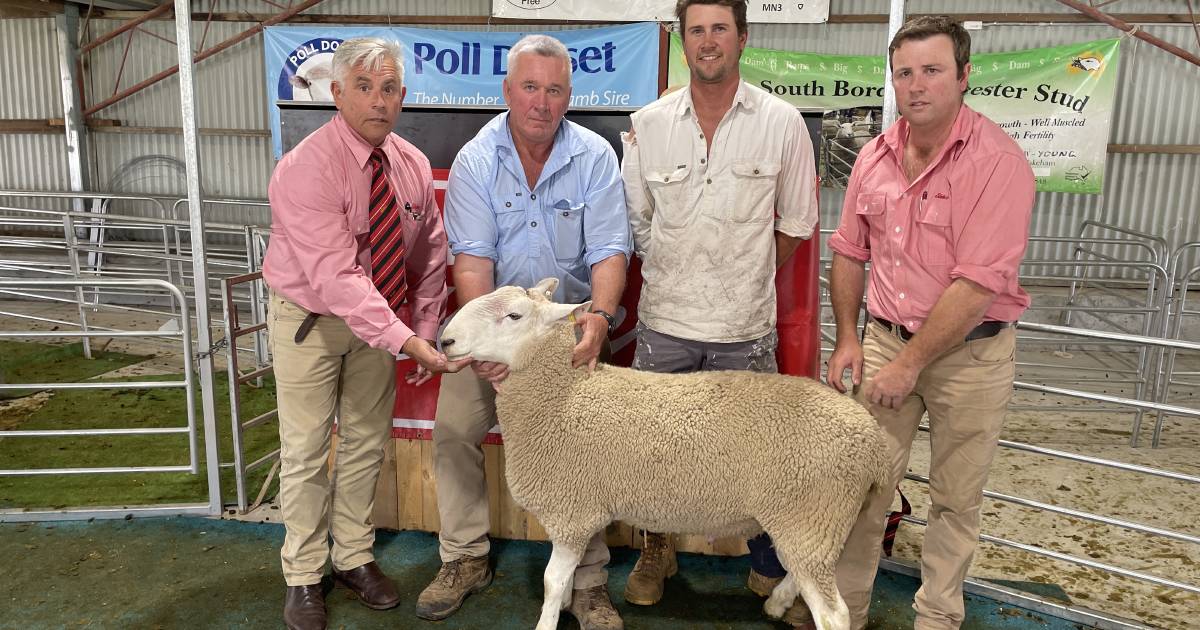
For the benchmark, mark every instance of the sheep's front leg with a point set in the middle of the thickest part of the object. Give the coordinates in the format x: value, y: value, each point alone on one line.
x: 560, y: 572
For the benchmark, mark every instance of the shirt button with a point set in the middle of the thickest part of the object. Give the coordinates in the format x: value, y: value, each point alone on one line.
x: 534, y: 224
x: 533, y: 196
x: 897, y: 263
x: 709, y: 181
x: 518, y: 194
x: 507, y: 204
x: 702, y: 160
x: 911, y: 324
x: 702, y: 135
x: 897, y: 229
x: 666, y: 179
x: 756, y: 171
x: 901, y: 296
x: 566, y: 214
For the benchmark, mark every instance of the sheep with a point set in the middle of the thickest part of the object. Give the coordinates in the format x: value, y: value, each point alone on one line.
x: 311, y: 81
x: 718, y: 453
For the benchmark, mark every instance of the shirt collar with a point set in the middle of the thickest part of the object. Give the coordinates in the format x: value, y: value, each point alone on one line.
x: 567, y: 143
x: 964, y: 124
x: 360, y: 149
x: 741, y: 97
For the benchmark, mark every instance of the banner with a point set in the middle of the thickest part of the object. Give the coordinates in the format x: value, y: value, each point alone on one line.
x: 1055, y: 102
x: 656, y: 10
x: 611, y: 67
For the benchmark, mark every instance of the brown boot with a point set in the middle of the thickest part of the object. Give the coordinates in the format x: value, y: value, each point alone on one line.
x: 453, y: 582
x: 594, y: 610
x: 798, y: 615
x: 656, y: 564
x: 373, y: 588
x: 304, y: 608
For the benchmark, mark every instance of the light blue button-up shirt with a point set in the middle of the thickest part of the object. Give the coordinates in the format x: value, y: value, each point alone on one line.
x: 573, y: 218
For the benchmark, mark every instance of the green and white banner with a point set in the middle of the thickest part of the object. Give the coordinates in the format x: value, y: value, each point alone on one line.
x: 1055, y: 102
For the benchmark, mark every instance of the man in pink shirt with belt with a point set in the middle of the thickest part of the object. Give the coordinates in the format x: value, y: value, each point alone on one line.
x: 357, y: 270
x: 940, y: 204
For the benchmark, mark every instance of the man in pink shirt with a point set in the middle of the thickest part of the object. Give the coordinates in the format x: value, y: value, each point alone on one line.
x: 357, y: 270
x: 940, y: 204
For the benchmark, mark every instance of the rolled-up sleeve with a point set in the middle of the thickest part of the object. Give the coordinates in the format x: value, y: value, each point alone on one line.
x: 639, y: 204
x: 796, y: 204
x: 990, y: 244
x: 852, y: 237
x: 605, y: 223
x: 306, y: 204
x: 427, y: 267
x: 470, y: 223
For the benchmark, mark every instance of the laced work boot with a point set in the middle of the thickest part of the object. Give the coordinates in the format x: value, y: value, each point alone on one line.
x: 453, y: 582
x: 594, y: 610
x: 655, y: 565
x: 798, y: 615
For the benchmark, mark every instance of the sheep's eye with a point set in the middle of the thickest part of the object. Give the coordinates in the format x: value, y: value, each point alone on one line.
x: 513, y: 316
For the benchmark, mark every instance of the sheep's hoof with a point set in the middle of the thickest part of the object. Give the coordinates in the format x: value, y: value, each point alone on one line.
x: 774, y: 608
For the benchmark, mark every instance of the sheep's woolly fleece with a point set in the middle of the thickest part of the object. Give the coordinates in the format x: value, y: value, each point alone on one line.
x: 714, y: 452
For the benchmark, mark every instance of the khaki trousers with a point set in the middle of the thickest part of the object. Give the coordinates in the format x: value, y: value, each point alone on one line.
x: 966, y: 392
x: 331, y: 374
x: 466, y: 410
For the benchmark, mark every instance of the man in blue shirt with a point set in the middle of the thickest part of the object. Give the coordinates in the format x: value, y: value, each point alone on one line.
x: 532, y: 196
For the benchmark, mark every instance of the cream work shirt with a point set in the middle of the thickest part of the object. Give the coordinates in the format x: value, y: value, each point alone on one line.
x: 704, y: 223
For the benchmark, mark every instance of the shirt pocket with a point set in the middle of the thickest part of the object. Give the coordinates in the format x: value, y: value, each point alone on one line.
x: 753, y: 199
x: 668, y: 191
x: 510, y: 215
x: 934, y: 238
x: 871, y: 208
x: 568, y: 229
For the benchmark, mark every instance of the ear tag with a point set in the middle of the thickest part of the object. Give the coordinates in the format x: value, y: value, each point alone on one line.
x: 571, y: 317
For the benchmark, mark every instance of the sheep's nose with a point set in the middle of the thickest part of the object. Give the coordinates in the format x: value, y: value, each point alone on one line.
x: 447, y: 342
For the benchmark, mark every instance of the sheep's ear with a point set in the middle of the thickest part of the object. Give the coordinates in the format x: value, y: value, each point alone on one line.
x: 546, y: 287
x: 556, y: 312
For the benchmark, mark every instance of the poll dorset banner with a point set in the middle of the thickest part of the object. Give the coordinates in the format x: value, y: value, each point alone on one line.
x: 657, y: 10
x: 613, y: 66
x: 1055, y: 102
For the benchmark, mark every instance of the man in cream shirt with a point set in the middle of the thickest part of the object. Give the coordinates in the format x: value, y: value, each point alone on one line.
x: 721, y: 188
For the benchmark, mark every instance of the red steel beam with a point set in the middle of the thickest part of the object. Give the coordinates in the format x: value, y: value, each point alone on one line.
x: 149, y: 15
x: 1100, y: 16
x: 201, y: 56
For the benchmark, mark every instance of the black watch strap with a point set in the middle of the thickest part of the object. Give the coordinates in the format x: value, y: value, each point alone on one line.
x: 608, y: 317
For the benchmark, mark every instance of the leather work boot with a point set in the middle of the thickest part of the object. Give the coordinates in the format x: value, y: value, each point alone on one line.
x: 453, y: 582
x: 304, y: 608
x: 594, y: 610
x: 656, y: 564
x: 373, y: 588
x: 798, y: 615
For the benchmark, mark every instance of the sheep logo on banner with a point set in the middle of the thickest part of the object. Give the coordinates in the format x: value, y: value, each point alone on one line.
x: 532, y: 5
x: 308, y: 71
x: 1087, y: 63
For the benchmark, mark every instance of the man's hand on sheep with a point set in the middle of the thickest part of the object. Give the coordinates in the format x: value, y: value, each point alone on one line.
x: 847, y: 355
x: 595, y: 333
x: 493, y: 373
x: 429, y: 361
x: 892, y: 384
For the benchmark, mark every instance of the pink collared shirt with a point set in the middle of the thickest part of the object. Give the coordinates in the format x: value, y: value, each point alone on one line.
x: 967, y: 216
x: 319, y: 256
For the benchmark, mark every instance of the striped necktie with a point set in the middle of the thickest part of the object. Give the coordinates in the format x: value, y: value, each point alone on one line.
x: 387, y: 238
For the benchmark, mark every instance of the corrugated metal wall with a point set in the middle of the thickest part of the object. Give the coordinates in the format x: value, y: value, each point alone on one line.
x: 29, y: 90
x: 1155, y: 104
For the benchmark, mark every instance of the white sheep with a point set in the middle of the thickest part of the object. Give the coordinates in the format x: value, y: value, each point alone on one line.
x: 718, y: 453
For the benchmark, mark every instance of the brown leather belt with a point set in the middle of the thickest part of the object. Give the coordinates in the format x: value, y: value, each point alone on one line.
x: 306, y: 327
x: 982, y: 331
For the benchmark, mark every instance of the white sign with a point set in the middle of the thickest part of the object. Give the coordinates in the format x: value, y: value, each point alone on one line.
x: 651, y: 10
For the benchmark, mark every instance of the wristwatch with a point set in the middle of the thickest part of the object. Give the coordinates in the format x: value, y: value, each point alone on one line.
x: 612, y: 321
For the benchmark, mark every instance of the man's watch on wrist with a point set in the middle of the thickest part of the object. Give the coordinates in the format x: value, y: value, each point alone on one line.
x: 612, y: 321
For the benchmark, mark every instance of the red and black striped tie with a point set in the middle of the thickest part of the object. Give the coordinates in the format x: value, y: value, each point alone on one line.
x: 387, y: 238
